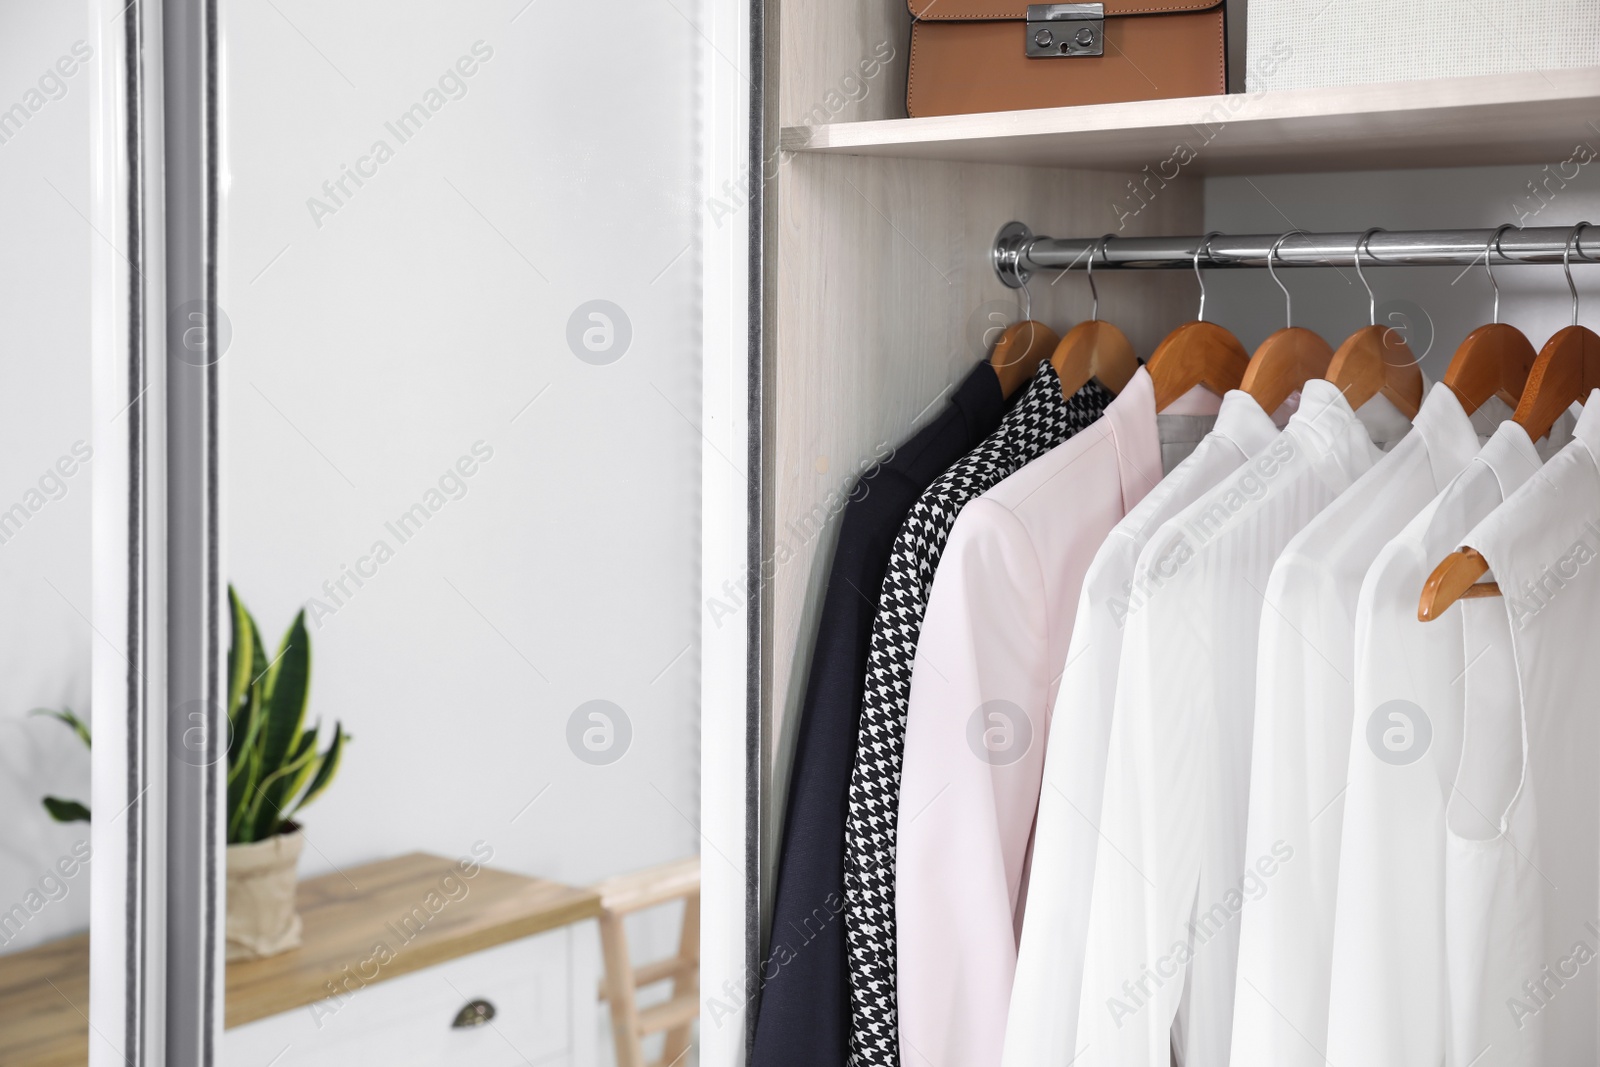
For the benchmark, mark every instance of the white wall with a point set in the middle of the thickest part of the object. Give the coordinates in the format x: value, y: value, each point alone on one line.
x: 381, y: 335
x: 1440, y: 302
x: 44, y: 409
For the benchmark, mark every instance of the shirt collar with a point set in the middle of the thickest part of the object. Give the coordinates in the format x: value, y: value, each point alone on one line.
x: 1336, y: 440
x: 1323, y: 415
x: 1490, y: 414
x: 1508, y: 451
x: 1130, y: 421
x: 1588, y: 428
x: 1242, y: 421
x: 1446, y: 432
x: 1385, y: 423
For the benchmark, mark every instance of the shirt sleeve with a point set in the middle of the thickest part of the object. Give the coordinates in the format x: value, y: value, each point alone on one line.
x: 974, y: 748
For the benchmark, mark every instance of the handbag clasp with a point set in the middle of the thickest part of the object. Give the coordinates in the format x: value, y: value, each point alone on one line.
x: 1058, y: 30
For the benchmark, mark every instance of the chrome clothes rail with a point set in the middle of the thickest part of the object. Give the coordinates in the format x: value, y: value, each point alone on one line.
x: 1018, y: 252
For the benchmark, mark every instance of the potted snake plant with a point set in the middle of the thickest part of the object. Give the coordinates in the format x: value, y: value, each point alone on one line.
x: 274, y: 770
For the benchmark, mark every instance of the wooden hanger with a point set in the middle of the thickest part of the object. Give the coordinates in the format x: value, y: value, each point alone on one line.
x: 1197, y: 353
x: 1376, y: 359
x: 1019, y: 351
x: 1288, y: 358
x: 1567, y: 369
x: 1094, y: 349
x: 1494, y: 360
x: 1455, y: 579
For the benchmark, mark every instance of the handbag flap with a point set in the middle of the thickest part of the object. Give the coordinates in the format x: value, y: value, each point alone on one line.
x: 990, y: 10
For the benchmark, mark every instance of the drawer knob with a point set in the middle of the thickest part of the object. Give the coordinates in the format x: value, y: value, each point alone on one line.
x: 476, y: 1013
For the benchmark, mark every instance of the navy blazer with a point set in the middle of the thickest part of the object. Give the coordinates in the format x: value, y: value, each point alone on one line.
x: 804, y: 1008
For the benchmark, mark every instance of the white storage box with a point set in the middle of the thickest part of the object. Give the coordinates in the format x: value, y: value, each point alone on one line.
x: 1302, y: 44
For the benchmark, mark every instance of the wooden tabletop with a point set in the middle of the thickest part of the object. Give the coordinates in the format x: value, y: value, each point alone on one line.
x: 44, y: 1004
x: 406, y: 904
x: 424, y: 908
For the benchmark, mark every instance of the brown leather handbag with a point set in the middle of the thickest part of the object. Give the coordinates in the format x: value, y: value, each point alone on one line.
x: 1003, y: 55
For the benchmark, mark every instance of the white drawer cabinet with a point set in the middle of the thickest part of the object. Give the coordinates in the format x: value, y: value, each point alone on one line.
x: 542, y: 990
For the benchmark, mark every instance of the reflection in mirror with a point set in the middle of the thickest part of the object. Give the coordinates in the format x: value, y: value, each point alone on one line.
x: 461, y: 476
x: 460, y: 472
x: 46, y: 459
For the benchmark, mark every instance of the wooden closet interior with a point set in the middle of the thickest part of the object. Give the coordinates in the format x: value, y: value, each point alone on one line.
x: 878, y: 281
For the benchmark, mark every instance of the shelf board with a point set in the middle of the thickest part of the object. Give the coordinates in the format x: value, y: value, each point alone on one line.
x: 1532, y: 117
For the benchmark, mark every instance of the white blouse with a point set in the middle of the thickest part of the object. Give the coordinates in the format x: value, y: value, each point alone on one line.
x: 1387, y: 997
x: 1493, y: 915
x: 1543, y: 546
x: 1171, y: 874
x: 1304, y: 704
x: 1050, y: 956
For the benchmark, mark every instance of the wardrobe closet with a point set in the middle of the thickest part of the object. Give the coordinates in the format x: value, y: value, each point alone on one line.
x: 879, y: 287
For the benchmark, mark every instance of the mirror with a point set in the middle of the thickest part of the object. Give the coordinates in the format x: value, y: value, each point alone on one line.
x: 458, y: 332
x: 462, y: 446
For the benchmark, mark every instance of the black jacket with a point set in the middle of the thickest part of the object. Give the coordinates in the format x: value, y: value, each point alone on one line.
x: 804, y: 1011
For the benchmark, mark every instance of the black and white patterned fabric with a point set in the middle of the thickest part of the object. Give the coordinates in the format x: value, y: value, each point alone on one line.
x: 1042, y: 419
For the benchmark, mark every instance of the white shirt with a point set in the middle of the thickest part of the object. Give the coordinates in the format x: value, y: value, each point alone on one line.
x: 1387, y: 996
x: 1543, y: 546
x: 1171, y: 872
x: 1493, y: 913
x: 1304, y: 703
x: 1050, y: 956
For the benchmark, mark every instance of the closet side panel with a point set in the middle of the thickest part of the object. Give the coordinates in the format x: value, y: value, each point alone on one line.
x: 843, y: 60
x: 885, y: 297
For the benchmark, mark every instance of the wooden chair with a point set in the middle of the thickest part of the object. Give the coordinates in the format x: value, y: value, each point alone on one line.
x: 619, y: 898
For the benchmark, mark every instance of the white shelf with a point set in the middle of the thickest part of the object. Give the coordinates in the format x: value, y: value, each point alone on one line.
x: 1535, y: 117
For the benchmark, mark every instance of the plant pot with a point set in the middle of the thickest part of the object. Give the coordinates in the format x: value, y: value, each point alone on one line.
x: 261, y: 920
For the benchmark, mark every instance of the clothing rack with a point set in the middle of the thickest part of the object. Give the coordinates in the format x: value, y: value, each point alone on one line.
x: 1018, y: 252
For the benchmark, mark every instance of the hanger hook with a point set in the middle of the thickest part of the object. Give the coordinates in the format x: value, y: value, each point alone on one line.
x: 1024, y: 296
x: 1494, y: 243
x: 1372, y: 301
x: 1094, y: 290
x: 1203, y: 246
x: 1288, y: 299
x: 1566, y: 266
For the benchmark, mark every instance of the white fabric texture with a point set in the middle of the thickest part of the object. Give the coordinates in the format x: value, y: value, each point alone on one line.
x: 1171, y: 873
x: 1304, y: 704
x: 1050, y: 955
x: 1387, y: 998
x: 997, y: 628
x: 1493, y: 919
x: 1543, y: 547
